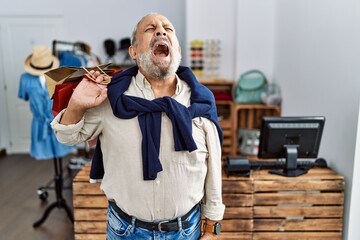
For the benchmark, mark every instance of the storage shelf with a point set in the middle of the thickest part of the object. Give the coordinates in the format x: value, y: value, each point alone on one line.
x: 249, y: 116
x: 234, y: 116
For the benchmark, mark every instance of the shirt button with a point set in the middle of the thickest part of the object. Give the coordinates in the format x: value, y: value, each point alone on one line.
x: 158, y: 210
x: 157, y: 182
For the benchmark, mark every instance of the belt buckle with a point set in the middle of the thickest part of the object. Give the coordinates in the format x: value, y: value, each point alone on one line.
x: 159, y: 225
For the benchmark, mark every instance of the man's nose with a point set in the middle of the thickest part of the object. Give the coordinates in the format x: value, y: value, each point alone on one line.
x: 161, y: 33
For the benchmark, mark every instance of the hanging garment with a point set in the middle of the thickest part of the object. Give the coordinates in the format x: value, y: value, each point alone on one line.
x: 44, y: 144
x: 69, y: 58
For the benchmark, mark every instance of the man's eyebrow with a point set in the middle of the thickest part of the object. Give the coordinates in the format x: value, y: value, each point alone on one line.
x: 168, y: 25
x: 149, y: 25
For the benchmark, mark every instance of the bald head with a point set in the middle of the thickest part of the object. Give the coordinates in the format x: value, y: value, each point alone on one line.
x: 154, y: 46
x: 150, y: 15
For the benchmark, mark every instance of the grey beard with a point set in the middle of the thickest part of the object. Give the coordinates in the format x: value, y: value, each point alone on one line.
x: 159, y: 70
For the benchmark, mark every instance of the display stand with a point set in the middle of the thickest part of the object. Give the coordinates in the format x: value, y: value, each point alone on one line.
x: 60, y: 201
x: 42, y: 191
x: 290, y: 169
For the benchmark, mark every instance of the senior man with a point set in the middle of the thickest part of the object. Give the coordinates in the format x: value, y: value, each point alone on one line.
x: 159, y: 142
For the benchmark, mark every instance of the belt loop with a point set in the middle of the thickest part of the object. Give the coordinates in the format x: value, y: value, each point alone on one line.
x: 133, y: 219
x: 179, y: 223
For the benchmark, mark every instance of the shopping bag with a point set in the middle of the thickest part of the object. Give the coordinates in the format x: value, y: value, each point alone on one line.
x: 62, y: 95
x: 72, y: 74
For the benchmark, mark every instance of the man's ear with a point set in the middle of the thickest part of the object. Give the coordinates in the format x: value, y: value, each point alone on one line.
x: 132, y: 52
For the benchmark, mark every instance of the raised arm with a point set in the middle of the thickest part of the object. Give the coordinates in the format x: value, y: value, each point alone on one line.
x: 86, y: 95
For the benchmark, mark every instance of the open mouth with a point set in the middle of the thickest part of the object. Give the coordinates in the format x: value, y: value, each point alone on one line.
x: 161, y: 49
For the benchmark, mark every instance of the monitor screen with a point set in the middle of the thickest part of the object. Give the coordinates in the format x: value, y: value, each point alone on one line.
x: 290, y: 138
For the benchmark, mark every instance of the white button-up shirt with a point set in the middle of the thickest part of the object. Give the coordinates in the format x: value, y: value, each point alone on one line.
x: 187, y: 177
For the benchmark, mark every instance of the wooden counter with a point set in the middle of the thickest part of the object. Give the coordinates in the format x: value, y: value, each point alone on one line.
x: 261, y: 207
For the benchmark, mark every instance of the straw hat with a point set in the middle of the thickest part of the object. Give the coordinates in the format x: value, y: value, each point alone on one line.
x: 40, y: 61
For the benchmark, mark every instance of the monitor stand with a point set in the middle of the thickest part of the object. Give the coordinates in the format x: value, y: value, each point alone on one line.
x: 290, y: 169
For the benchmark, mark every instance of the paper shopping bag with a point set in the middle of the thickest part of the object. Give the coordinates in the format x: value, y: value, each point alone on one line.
x: 71, y: 74
x: 62, y: 95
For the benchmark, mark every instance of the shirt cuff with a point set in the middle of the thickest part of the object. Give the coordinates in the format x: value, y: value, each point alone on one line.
x: 214, y: 212
x: 66, y: 129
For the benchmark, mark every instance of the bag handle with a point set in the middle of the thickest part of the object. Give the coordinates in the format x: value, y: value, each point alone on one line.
x: 251, y: 72
x: 242, y: 76
x: 90, y: 77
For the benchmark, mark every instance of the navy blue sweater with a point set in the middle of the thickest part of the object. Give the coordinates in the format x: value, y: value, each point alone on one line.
x: 202, y: 104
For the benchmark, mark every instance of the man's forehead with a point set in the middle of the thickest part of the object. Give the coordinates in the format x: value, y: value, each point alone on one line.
x: 153, y: 19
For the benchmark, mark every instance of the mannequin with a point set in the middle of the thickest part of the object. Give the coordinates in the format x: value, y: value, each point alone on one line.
x: 44, y: 144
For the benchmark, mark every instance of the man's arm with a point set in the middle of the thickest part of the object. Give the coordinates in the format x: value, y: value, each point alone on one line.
x: 85, y: 96
x: 213, y: 208
x: 70, y: 125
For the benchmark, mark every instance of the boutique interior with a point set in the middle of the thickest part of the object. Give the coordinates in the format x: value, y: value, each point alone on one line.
x: 305, y: 55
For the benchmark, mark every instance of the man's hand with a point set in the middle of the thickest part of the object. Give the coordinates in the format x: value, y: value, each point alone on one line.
x: 86, y: 95
x: 208, y: 236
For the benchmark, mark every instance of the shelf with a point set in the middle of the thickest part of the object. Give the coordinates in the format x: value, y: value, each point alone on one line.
x: 234, y: 116
x: 217, y: 82
x: 224, y: 102
x: 225, y: 123
x: 257, y: 106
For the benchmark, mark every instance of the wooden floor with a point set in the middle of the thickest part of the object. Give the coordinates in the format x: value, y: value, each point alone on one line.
x: 20, y: 206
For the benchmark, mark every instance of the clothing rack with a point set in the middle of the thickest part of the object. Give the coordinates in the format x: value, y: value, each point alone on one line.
x: 76, y: 47
x: 57, y: 43
x: 80, y: 49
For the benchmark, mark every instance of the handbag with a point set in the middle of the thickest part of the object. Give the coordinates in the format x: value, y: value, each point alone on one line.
x: 249, y: 87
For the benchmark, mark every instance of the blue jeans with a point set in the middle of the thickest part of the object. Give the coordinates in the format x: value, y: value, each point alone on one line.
x: 118, y: 228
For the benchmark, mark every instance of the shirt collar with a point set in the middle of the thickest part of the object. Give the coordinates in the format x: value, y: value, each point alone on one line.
x: 142, y: 83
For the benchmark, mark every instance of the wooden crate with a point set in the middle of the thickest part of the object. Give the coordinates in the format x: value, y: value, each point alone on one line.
x: 90, y: 208
x: 238, y: 217
x: 274, y: 207
x: 224, y: 111
x: 249, y: 116
x: 262, y: 206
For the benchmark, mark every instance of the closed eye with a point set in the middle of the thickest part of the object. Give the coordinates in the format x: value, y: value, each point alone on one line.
x: 149, y: 29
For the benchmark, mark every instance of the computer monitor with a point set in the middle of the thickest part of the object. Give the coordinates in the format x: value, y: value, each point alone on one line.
x: 290, y: 138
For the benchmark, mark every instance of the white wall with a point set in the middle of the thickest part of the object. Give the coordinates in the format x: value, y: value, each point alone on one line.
x: 3, y: 106
x: 94, y: 21
x: 244, y: 27
x: 317, y: 59
x: 354, y: 215
x: 255, y: 36
x: 208, y: 19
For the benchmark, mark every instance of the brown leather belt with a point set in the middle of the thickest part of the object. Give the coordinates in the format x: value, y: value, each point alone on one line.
x: 162, y: 226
